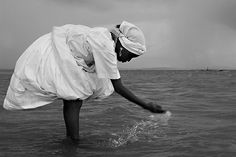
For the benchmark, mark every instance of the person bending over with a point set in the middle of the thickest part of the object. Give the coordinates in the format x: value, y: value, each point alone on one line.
x: 75, y: 63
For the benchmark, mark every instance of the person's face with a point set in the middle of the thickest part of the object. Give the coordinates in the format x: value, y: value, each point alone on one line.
x: 124, y: 55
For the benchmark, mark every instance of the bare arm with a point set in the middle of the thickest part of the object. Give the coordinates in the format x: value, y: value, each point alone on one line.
x: 126, y: 93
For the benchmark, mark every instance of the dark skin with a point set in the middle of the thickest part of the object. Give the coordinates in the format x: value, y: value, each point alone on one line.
x: 71, y: 108
x: 124, y: 55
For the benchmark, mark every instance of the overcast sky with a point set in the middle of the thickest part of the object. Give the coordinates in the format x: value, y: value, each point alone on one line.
x: 179, y: 33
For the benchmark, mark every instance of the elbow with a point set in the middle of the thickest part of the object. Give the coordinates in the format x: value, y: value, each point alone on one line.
x: 118, y: 88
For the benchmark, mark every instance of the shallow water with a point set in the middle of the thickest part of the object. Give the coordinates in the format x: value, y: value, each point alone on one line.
x: 203, y: 120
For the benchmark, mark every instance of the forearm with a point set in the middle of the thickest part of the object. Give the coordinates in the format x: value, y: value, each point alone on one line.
x: 126, y: 93
x: 123, y: 91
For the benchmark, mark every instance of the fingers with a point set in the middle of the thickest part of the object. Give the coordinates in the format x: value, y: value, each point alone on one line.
x: 155, y: 108
x: 159, y: 111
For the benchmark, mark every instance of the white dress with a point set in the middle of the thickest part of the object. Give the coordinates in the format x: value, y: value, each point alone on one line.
x: 72, y: 62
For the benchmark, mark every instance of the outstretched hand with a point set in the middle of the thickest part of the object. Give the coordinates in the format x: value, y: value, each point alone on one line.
x: 154, y: 108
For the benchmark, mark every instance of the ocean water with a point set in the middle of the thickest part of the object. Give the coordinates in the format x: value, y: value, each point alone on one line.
x: 202, y: 122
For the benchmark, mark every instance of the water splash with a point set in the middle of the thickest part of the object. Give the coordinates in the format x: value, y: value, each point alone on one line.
x: 149, y: 129
x: 161, y: 118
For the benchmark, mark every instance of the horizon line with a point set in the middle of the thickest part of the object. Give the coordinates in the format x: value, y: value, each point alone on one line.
x: 161, y: 68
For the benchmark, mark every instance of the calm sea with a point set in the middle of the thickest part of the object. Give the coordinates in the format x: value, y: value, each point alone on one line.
x: 202, y: 124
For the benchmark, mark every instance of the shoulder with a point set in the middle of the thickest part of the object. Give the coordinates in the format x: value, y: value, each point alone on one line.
x: 101, y: 31
x: 72, y: 29
x: 101, y: 37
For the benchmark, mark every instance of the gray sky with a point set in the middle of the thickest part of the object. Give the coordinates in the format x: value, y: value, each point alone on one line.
x: 180, y: 33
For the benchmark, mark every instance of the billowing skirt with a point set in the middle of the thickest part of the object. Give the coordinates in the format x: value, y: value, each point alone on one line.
x: 42, y: 75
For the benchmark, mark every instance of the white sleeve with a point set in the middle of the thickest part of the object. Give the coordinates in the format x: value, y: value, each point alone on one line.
x: 104, y: 54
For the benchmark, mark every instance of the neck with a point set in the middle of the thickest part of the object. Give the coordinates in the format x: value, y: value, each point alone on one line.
x: 113, y: 36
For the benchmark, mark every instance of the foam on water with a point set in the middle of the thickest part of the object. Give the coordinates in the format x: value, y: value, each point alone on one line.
x: 150, y: 128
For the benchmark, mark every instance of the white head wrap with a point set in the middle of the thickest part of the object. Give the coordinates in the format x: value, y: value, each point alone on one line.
x: 131, y: 37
